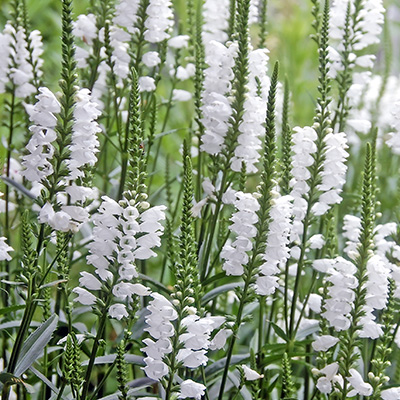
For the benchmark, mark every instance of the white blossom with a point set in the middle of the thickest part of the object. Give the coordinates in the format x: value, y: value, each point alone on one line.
x: 334, y: 172
x: 84, y: 143
x: 216, y: 107
x: 341, y: 294
x: 146, y: 84
x: 179, y: 42
x: 391, y: 394
x: 151, y: 59
x: 250, y: 374
x: 277, y: 246
x: 5, y: 249
x: 324, y: 343
x: 84, y: 297
x: 181, y: 95
x: 159, y: 21
x: 243, y: 226
x: 126, y: 14
x: 215, y: 17
x: 192, y: 390
x: 358, y: 384
x: 303, y: 148
x: 36, y: 163
x: 255, y: 106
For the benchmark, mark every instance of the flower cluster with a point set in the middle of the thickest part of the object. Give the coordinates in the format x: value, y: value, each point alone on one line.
x: 216, y: 107
x: 244, y: 219
x: 341, y: 294
x: 36, y: 162
x: 277, y: 249
x: 334, y: 172
x: 255, y: 107
x: 159, y: 21
x: 123, y: 232
x: 303, y: 150
x: 160, y: 328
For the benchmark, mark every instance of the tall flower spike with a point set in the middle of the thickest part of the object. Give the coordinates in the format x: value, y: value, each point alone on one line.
x: 37, y: 163
x: 252, y: 126
x: 216, y: 107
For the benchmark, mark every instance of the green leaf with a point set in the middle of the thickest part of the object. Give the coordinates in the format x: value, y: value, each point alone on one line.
x: 220, y: 364
x: 212, y: 294
x: 279, y: 331
x: 34, y: 345
x: 109, y: 359
x: 8, y: 310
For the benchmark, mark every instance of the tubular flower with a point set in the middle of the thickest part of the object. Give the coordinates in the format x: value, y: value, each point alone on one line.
x: 159, y: 21
x: 216, y: 107
x: 215, y: 16
x: 303, y: 149
x: 334, y: 172
x: 277, y: 251
x: 40, y: 148
x: 244, y: 220
x: 255, y: 107
x: 341, y: 294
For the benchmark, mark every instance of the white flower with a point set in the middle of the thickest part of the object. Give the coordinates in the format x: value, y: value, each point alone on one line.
x: 120, y: 56
x: 126, y: 14
x: 215, y: 17
x: 85, y: 28
x: 216, y: 107
x: 255, y: 106
x: 179, y: 42
x: 316, y: 241
x: 36, y: 163
x: 303, y: 149
x: 339, y: 305
x: 155, y: 369
x: 191, y: 358
x: 250, y: 374
x: 324, y: 383
x: 118, y: 311
x: 391, y: 394
x: 146, y: 84
x: 84, y: 297
x: 5, y: 50
x: 358, y: 384
x: 84, y: 143
x: 159, y: 21
x: 244, y: 219
x: 151, y: 59
x: 191, y: 389
x: 181, y: 95
x: 89, y: 281
x: 351, y: 231
x: 334, y: 172
x: 324, y: 343
x: 21, y: 73
x: 277, y: 246
x: 5, y: 249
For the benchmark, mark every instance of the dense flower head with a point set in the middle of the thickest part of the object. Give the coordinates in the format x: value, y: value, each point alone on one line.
x: 215, y: 16
x: 341, y: 294
x: 277, y: 248
x: 36, y: 163
x: 84, y: 143
x: 243, y: 226
x: 216, y: 106
x: 303, y: 149
x: 334, y: 172
x: 126, y: 14
x: 255, y: 107
x: 159, y: 21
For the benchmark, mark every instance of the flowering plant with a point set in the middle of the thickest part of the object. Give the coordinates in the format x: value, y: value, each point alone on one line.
x: 178, y: 221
